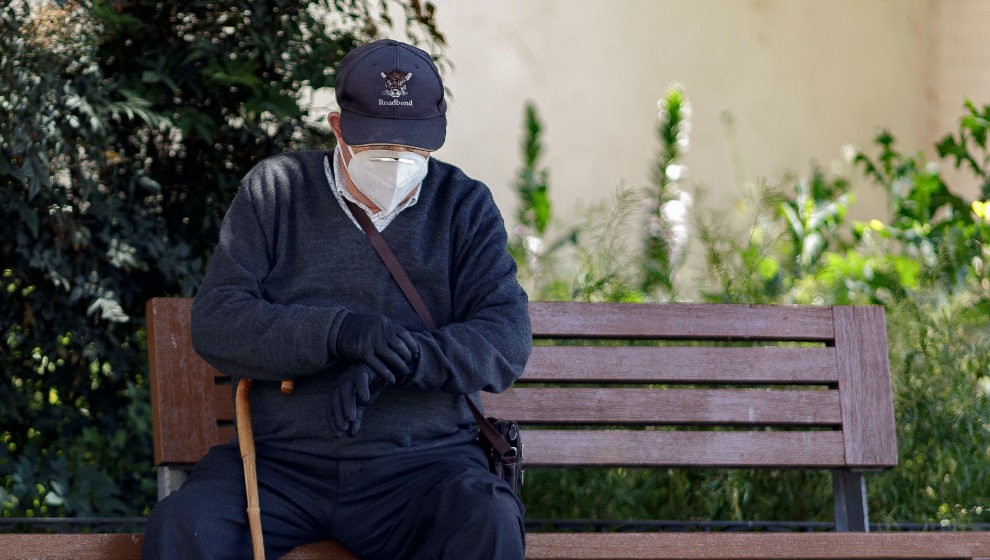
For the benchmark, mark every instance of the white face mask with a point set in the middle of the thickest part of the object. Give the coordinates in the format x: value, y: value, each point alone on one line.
x: 386, y: 177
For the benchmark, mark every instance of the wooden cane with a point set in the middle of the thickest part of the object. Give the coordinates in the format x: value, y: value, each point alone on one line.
x: 245, y: 438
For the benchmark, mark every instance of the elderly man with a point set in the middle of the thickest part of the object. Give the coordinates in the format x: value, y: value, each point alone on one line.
x: 376, y: 446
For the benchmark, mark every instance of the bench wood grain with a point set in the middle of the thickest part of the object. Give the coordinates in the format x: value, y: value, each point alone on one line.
x: 590, y: 546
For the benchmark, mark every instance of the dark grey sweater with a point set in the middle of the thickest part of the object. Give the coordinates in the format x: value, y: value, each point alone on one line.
x: 290, y: 264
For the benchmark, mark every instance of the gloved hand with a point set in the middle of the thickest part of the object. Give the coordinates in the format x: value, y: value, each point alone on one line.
x: 375, y: 340
x: 354, y: 389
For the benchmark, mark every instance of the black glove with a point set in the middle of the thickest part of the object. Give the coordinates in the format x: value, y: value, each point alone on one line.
x: 354, y: 389
x: 375, y: 340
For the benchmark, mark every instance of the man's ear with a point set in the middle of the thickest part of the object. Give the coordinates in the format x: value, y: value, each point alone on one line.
x: 333, y: 119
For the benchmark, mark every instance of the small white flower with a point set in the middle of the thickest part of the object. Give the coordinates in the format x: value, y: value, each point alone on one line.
x: 674, y: 211
x: 534, y: 245
x: 675, y: 215
x: 848, y: 152
x: 675, y: 172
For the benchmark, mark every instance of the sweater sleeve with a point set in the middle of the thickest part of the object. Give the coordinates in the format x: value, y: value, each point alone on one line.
x: 234, y: 328
x: 487, y: 344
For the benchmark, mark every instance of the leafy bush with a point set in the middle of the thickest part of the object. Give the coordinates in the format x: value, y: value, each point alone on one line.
x: 124, y: 130
x: 940, y: 364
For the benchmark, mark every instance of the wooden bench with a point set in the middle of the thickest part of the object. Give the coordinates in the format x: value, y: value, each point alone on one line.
x: 820, y: 372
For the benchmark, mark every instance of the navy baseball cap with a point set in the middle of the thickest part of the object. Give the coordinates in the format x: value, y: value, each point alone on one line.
x: 391, y: 93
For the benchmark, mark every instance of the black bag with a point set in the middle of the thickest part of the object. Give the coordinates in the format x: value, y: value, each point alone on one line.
x: 500, y: 439
x: 507, y: 466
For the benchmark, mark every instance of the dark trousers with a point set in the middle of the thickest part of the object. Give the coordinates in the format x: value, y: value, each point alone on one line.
x: 440, y: 503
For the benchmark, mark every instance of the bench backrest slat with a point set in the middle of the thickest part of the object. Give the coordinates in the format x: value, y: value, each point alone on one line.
x: 666, y: 406
x: 627, y: 448
x: 704, y: 364
x: 788, y: 386
x: 680, y: 321
x: 224, y: 402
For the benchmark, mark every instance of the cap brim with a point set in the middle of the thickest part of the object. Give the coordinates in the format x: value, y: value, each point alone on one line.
x: 428, y: 134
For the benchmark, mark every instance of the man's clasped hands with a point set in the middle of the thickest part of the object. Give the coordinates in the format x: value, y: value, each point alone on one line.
x: 384, y: 354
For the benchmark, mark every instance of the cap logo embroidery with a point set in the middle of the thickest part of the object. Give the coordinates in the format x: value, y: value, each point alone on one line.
x: 395, y: 83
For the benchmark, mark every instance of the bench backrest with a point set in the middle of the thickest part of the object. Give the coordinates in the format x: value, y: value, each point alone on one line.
x: 817, y: 377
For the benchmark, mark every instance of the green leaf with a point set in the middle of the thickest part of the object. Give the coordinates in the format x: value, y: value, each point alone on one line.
x: 136, y: 106
x: 107, y: 307
x: 149, y: 183
x: 768, y: 268
x: 232, y: 73
x: 978, y: 128
x: 193, y: 122
x: 29, y: 216
x: 908, y: 271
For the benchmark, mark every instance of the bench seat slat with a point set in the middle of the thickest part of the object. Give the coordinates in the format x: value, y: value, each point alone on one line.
x: 665, y: 406
x: 681, y: 320
x: 710, y: 546
x: 675, y: 364
x: 657, y: 448
x: 124, y: 546
x: 586, y: 546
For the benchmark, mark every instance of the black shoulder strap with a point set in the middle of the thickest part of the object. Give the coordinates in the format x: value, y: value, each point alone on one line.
x: 402, y: 279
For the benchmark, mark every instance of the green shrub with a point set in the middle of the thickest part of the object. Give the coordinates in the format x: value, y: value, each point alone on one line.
x: 940, y: 363
x: 125, y: 128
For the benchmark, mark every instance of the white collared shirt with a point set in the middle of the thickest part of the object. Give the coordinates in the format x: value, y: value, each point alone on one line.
x: 381, y: 220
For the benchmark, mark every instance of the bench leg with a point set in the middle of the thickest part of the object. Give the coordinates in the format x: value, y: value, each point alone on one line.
x: 849, y: 494
x: 170, y: 479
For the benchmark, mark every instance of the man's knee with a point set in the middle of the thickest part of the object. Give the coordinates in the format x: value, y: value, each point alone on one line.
x: 186, y: 524
x: 489, y: 521
x: 488, y: 507
x: 172, y: 524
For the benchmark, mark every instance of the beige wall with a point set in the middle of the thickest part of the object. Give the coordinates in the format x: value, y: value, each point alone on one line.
x: 959, y: 68
x: 801, y: 79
